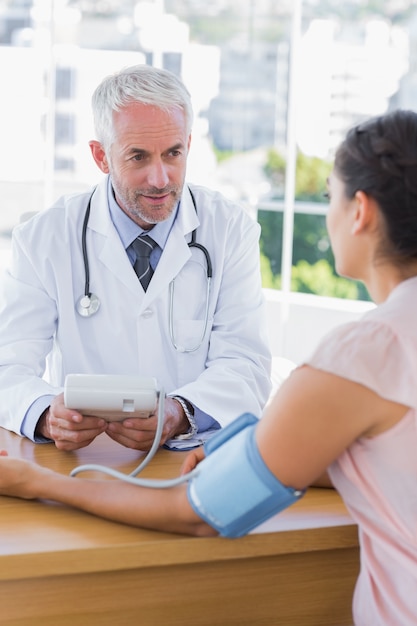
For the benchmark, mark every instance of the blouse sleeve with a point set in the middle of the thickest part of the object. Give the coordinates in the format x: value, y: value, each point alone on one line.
x: 371, y: 353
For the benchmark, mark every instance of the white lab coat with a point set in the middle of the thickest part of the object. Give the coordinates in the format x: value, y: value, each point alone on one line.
x: 40, y: 329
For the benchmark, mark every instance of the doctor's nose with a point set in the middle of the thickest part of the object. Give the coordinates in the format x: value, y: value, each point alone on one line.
x: 158, y: 176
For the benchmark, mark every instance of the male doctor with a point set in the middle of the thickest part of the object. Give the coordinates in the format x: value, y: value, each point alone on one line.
x: 78, y: 299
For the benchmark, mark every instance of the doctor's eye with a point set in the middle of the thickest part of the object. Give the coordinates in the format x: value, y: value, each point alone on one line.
x: 326, y: 195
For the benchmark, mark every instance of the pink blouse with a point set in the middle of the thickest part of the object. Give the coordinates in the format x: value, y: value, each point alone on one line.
x: 377, y: 477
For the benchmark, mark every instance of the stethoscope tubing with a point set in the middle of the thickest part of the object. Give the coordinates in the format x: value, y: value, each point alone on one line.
x: 84, y: 248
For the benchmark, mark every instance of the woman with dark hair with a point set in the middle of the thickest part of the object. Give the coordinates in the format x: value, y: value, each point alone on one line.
x: 348, y: 412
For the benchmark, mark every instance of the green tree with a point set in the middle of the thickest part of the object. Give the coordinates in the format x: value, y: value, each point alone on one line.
x: 269, y: 279
x: 312, y: 174
x: 320, y: 279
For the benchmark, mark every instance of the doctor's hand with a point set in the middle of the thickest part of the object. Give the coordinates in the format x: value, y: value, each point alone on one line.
x: 139, y: 433
x: 69, y: 429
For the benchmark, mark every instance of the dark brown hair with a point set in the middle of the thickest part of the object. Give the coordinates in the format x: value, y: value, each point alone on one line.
x: 379, y: 157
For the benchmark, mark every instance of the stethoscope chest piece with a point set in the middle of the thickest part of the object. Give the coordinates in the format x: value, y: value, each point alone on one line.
x: 88, y: 305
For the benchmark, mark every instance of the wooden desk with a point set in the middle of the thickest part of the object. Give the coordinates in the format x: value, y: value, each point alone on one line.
x: 61, y: 567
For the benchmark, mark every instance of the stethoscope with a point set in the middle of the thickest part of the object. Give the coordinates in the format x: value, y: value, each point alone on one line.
x: 88, y: 304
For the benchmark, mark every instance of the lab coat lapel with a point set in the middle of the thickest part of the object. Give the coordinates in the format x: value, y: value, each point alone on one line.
x: 107, y: 245
x: 114, y: 257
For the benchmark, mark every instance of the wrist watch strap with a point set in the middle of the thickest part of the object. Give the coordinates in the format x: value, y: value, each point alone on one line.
x: 190, y: 417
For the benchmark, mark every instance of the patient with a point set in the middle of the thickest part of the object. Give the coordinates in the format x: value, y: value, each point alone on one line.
x: 350, y: 410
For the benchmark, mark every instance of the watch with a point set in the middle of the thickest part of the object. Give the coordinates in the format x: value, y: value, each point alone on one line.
x: 190, y: 417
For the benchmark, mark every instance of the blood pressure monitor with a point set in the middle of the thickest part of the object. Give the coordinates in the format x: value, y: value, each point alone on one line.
x: 112, y: 397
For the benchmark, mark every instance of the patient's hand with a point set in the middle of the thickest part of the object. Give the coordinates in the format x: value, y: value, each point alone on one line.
x: 18, y: 477
x: 192, y: 460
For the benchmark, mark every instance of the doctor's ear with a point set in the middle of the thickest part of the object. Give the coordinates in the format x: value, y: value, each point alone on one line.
x: 99, y: 155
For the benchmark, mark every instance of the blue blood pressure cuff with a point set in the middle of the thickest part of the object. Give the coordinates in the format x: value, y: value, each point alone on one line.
x: 233, y: 489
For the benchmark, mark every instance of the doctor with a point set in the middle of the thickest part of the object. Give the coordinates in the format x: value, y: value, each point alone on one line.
x: 72, y: 302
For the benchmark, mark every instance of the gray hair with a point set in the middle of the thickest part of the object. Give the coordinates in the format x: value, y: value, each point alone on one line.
x: 139, y: 83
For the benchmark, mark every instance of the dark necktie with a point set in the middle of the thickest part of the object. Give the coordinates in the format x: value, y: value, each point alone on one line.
x: 143, y: 247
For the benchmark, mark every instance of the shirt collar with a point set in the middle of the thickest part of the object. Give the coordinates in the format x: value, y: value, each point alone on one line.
x: 128, y: 230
